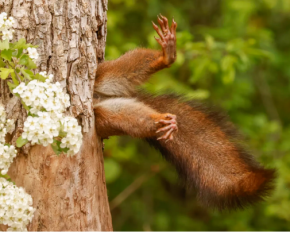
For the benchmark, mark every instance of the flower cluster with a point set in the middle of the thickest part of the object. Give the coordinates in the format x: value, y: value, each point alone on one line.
x: 73, y: 138
x: 41, y: 129
x: 3, y: 129
x: 46, y: 102
x: 6, y: 26
x: 39, y: 96
x: 7, y: 152
x: 16, y: 209
x: 6, y: 126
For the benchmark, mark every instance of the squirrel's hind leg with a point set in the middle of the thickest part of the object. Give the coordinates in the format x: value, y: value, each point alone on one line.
x: 127, y: 116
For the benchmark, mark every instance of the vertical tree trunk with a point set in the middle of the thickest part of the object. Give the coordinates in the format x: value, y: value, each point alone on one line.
x: 68, y: 193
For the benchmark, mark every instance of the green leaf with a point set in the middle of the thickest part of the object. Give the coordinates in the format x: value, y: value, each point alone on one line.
x: 2, y: 63
x: 13, y: 76
x: 209, y: 41
x: 7, y: 177
x: 4, y: 44
x: 56, y: 147
x: 227, y: 62
x: 62, y: 133
x: 64, y: 150
x: 21, y: 141
x: 11, y: 64
x: 11, y: 45
x: 30, y: 64
x: 24, y: 59
x: 6, y: 54
x: 11, y: 85
x: 14, y: 53
x: 4, y: 72
x: 40, y: 77
x: 200, y: 68
x: 20, y: 52
x: 229, y: 76
x: 29, y: 45
x: 21, y: 44
x: 27, y: 73
x: 25, y: 106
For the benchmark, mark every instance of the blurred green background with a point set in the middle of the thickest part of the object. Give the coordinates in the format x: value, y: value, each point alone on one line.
x: 234, y: 54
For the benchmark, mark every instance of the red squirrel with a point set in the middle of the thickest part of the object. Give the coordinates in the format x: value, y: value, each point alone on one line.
x: 201, y: 144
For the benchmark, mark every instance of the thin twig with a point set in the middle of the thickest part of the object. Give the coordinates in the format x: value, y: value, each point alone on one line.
x: 15, y: 73
x: 131, y: 188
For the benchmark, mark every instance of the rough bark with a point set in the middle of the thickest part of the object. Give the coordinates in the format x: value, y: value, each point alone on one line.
x: 68, y: 193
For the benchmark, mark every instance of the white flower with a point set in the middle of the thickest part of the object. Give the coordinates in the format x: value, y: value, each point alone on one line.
x: 10, y: 125
x: 2, y: 135
x: 6, y: 26
x: 33, y: 54
x: 41, y: 129
x: 16, y: 209
x: 7, y: 34
x: 50, y: 77
x: 47, y: 103
x: 5, y: 126
x: 20, y: 88
x: 52, y: 131
x: 3, y: 15
x: 73, y: 138
x: 27, y: 98
x: 65, y: 142
x: 51, y: 88
x: 35, y: 110
x: 30, y: 123
x: 45, y: 141
x: 43, y: 73
x: 10, y: 22
x: 65, y: 100
x: 7, y: 154
x: 55, y: 114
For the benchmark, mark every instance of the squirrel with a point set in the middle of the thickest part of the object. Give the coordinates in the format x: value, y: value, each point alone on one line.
x: 203, y: 145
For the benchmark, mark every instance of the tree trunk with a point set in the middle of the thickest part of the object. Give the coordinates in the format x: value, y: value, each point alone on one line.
x: 69, y: 193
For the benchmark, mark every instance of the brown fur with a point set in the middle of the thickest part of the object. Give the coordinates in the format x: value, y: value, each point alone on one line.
x: 208, y: 156
x: 205, y: 150
x: 126, y: 116
x: 118, y: 78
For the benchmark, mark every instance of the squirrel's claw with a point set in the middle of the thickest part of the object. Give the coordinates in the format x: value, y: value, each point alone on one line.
x: 167, y: 38
x: 167, y: 135
x: 171, y: 126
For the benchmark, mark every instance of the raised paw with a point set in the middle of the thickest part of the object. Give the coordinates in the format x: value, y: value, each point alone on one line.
x: 167, y: 38
x: 170, y: 125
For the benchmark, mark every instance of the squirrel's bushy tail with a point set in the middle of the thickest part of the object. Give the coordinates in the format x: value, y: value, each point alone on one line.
x: 208, y: 156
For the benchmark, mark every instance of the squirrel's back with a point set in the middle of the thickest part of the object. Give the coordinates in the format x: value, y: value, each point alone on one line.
x: 208, y: 155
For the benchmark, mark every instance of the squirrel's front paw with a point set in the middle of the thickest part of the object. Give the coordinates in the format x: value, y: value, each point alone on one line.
x: 170, y: 125
x: 167, y: 38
